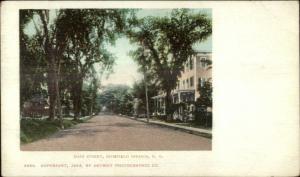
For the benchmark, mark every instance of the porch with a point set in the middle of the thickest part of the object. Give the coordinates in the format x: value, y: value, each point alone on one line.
x: 181, y: 99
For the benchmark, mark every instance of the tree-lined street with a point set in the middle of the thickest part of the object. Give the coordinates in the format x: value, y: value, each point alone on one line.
x: 66, y: 54
x: 112, y: 132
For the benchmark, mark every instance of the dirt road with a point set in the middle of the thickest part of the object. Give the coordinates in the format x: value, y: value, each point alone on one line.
x: 111, y: 132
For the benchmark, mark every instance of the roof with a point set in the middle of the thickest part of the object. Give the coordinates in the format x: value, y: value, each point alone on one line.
x: 204, y: 46
x: 159, y: 96
x: 184, y: 91
x: 176, y: 91
x: 202, y: 51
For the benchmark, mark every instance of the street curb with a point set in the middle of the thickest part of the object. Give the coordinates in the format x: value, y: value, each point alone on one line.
x: 194, y: 132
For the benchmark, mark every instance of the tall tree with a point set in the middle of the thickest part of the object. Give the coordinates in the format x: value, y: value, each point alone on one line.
x: 32, y: 61
x: 169, y: 44
x: 89, y: 32
x: 53, y: 42
x: 77, y: 37
x: 94, y: 85
x: 49, y: 48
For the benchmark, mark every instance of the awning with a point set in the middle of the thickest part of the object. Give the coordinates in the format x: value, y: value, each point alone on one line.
x: 159, y: 96
x: 183, y: 91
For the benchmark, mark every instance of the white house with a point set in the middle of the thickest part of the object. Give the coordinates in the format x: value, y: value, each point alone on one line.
x: 196, y: 70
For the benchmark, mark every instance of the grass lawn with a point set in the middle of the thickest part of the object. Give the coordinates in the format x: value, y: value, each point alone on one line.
x: 32, y: 130
x: 186, y: 124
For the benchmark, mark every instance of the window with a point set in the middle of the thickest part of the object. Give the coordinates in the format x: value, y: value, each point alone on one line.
x: 192, y: 81
x: 201, y: 81
x: 203, y: 62
x: 191, y: 64
x: 187, y: 66
x: 198, y: 58
x: 183, y: 84
x: 187, y: 83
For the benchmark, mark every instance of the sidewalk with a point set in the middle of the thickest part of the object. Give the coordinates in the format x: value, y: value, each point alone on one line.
x: 191, y: 130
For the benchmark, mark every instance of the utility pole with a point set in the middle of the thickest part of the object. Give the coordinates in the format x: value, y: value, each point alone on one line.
x: 146, y: 93
x: 145, y: 53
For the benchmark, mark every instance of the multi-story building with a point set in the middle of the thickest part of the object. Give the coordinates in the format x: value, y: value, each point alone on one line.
x: 196, y: 71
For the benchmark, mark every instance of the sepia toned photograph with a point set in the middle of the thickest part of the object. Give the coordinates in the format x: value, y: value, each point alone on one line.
x: 115, y: 79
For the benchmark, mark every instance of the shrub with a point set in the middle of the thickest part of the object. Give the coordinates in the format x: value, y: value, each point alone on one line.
x: 32, y: 129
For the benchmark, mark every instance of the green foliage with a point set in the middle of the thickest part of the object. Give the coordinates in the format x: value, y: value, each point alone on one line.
x: 138, y: 91
x: 117, y: 99
x: 205, y: 91
x: 166, y: 44
x: 89, y: 96
x: 32, y: 70
x: 32, y: 130
x: 63, y: 51
x: 88, y: 32
x: 202, y: 116
x: 32, y: 62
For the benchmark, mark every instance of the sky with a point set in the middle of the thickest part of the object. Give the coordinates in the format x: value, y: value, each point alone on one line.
x: 125, y: 70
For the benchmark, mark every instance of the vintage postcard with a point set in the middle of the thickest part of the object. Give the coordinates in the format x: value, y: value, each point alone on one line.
x: 108, y: 88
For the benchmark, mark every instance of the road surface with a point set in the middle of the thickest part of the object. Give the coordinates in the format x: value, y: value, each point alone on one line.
x: 111, y: 132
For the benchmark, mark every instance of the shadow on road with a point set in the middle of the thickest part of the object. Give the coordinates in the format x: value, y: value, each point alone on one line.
x: 123, y: 125
x: 90, y: 128
x: 77, y: 132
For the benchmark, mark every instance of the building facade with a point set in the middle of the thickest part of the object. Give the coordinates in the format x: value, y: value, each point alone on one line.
x: 197, y: 70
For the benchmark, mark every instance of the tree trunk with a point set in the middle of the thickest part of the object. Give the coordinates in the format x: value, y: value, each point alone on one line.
x: 92, y: 105
x: 168, y: 104
x: 57, y: 91
x: 52, y: 96
x: 77, y: 98
x: 52, y: 88
x: 146, y: 95
x: 93, y: 95
x: 49, y: 54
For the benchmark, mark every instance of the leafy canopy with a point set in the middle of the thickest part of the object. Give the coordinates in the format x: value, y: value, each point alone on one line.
x: 166, y: 43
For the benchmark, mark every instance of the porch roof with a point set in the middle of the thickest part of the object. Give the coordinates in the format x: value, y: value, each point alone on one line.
x: 175, y: 92
x: 183, y: 91
x: 159, y: 96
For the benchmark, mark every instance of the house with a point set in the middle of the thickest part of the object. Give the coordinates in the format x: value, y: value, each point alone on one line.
x: 37, y: 106
x: 196, y: 70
